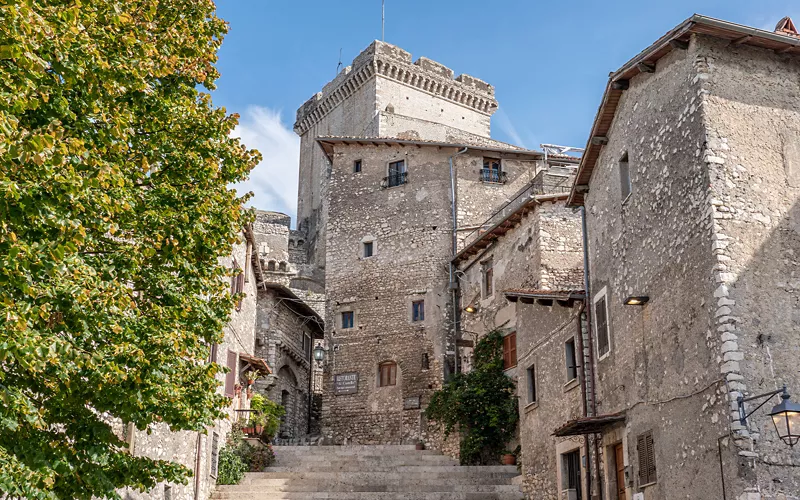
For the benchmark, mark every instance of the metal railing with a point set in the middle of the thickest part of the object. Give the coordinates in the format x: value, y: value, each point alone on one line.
x: 493, y: 176
x: 542, y: 184
x: 395, y: 179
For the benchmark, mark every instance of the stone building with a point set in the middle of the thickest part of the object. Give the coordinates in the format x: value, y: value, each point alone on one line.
x: 390, y: 303
x: 288, y: 324
x: 691, y: 183
x: 522, y: 273
x: 382, y: 94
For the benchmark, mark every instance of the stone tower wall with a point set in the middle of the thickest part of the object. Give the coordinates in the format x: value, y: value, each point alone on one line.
x: 382, y: 94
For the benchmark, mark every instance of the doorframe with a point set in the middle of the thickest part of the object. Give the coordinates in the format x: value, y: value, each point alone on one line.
x: 611, y: 438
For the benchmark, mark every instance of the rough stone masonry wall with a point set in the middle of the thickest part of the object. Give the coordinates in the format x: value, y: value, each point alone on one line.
x: 542, y: 332
x: 182, y: 446
x: 752, y: 150
x: 418, y: 100
x: 410, y: 227
x: 661, y: 368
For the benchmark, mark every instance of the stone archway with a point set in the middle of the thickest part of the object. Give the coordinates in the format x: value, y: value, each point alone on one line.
x: 292, y: 424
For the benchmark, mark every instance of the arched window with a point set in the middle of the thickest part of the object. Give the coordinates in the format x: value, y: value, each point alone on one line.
x: 387, y: 374
x: 282, y: 266
x: 271, y: 265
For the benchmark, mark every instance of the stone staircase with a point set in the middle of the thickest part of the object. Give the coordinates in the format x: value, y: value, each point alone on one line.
x: 396, y: 472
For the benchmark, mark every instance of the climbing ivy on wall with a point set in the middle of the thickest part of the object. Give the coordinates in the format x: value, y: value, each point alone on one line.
x: 481, y: 405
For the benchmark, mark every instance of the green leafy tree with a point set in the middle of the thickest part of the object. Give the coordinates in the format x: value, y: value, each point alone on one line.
x: 114, y: 213
x: 481, y: 405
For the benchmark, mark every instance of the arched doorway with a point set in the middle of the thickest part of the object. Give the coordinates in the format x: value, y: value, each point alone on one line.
x: 293, y: 423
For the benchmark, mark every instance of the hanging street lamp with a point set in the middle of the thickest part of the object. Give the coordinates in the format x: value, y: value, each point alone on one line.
x: 785, y: 416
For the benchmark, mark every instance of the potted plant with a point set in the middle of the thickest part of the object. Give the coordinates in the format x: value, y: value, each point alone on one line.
x: 420, y: 445
x: 252, y: 376
x: 509, y: 458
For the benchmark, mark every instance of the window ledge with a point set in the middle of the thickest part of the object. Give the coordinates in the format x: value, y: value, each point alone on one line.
x: 571, y: 385
x: 648, y: 484
x: 531, y: 406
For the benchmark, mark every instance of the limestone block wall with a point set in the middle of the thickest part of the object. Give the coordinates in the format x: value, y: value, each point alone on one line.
x: 542, y: 332
x: 279, y: 339
x: 382, y: 81
x: 662, y: 368
x: 752, y: 152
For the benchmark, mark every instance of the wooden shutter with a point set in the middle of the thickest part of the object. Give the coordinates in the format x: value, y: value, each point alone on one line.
x: 388, y: 374
x: 510, y: 350
x: 230, y: 377
x: 647, y: 459
x: 601, y: 319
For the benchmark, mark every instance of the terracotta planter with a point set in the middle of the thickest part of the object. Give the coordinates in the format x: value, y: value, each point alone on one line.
x: 247, y: 430
x: 259, y: 429
x: 509, y: 459
x: 420, y: 446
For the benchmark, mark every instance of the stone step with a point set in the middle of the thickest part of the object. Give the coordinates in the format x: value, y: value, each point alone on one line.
x: 433, y: 485
x: 371, y: 495
x: 351, y: 447
x: 432, y: 460
x: 410, y: 473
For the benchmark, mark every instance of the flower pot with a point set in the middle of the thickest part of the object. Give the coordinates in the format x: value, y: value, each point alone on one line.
x: 247, y: 430
x: 259, y: 429
x: 420, y: 446
x: 509, y: 459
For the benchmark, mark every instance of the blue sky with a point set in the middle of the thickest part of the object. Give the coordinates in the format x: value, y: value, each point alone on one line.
x: 548, y: 61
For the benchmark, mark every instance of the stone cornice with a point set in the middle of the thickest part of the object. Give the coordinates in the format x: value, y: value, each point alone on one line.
x: 462, y: 90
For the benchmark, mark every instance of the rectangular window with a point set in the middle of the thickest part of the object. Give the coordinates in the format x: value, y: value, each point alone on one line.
x: 624, y: 177
x: 647, y: 459
x: 570, y: 359
x: 418, y: 310
x: 426, y: 364
x: 230, y: 377
x: 214, y: 454
x: 531, y: 384
x: 510, y: 350
x: 388, y: 374
x: 601, y: 324
x: 307, y: 344
x: 397, y: 173
x: 368, y: 247
x: 488, y: 278
x: 571, y: 475
x: 357, y: 166
x: 347, y: 319
x: 491, y: 171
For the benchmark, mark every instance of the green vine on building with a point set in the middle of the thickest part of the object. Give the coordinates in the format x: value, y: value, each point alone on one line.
x: 480, y: 405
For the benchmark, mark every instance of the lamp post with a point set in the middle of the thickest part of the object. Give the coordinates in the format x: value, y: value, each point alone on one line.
x: 319, y: 355
x: 785, y: 415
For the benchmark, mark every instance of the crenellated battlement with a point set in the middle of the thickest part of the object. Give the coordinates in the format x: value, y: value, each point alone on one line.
x: 391, y: 62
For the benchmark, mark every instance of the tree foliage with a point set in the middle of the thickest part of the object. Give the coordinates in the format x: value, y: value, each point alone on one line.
x: 114, y: 213
x: 481, y: 404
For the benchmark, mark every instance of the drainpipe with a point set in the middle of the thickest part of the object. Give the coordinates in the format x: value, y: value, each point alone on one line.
x: 310, y: 381
x: 582, y: 374
x: 197, y: 463
x: 454, y: 295
x: 593, y: 399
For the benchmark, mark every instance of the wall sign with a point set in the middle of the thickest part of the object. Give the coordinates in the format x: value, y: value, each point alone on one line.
x: 345, y: 383
x: 411, y: 403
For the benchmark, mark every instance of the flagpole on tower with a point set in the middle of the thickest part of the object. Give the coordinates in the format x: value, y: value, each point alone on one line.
x: 383, y: 20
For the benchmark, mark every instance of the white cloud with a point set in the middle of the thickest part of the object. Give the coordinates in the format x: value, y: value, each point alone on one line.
x: 274, y: 180
x: 504, y: 123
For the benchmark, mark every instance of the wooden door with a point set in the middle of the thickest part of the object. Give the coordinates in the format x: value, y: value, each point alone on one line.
x: 620, y: 465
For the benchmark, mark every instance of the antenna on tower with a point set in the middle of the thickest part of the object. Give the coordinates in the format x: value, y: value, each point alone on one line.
x: 383, y: 20
x: 340, y: 62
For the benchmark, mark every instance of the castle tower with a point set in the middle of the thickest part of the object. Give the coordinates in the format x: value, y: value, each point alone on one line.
x: 383, y: 94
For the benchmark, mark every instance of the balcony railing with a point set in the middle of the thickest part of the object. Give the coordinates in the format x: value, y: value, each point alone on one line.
x: 542, y: 184
x: 492, y: 175
x: 395, y: 179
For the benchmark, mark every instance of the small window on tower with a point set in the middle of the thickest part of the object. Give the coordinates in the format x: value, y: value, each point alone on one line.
x: 369, y: 247
x: 418, y: 310
x: 348, y: 319
x: 488, y: 277
x: 357, y: 166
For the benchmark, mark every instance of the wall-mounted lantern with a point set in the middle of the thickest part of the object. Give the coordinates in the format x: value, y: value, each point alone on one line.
x: 785, y: 416
x: 637, y: 300
x: 319, y: 354
x: 472, y: 309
